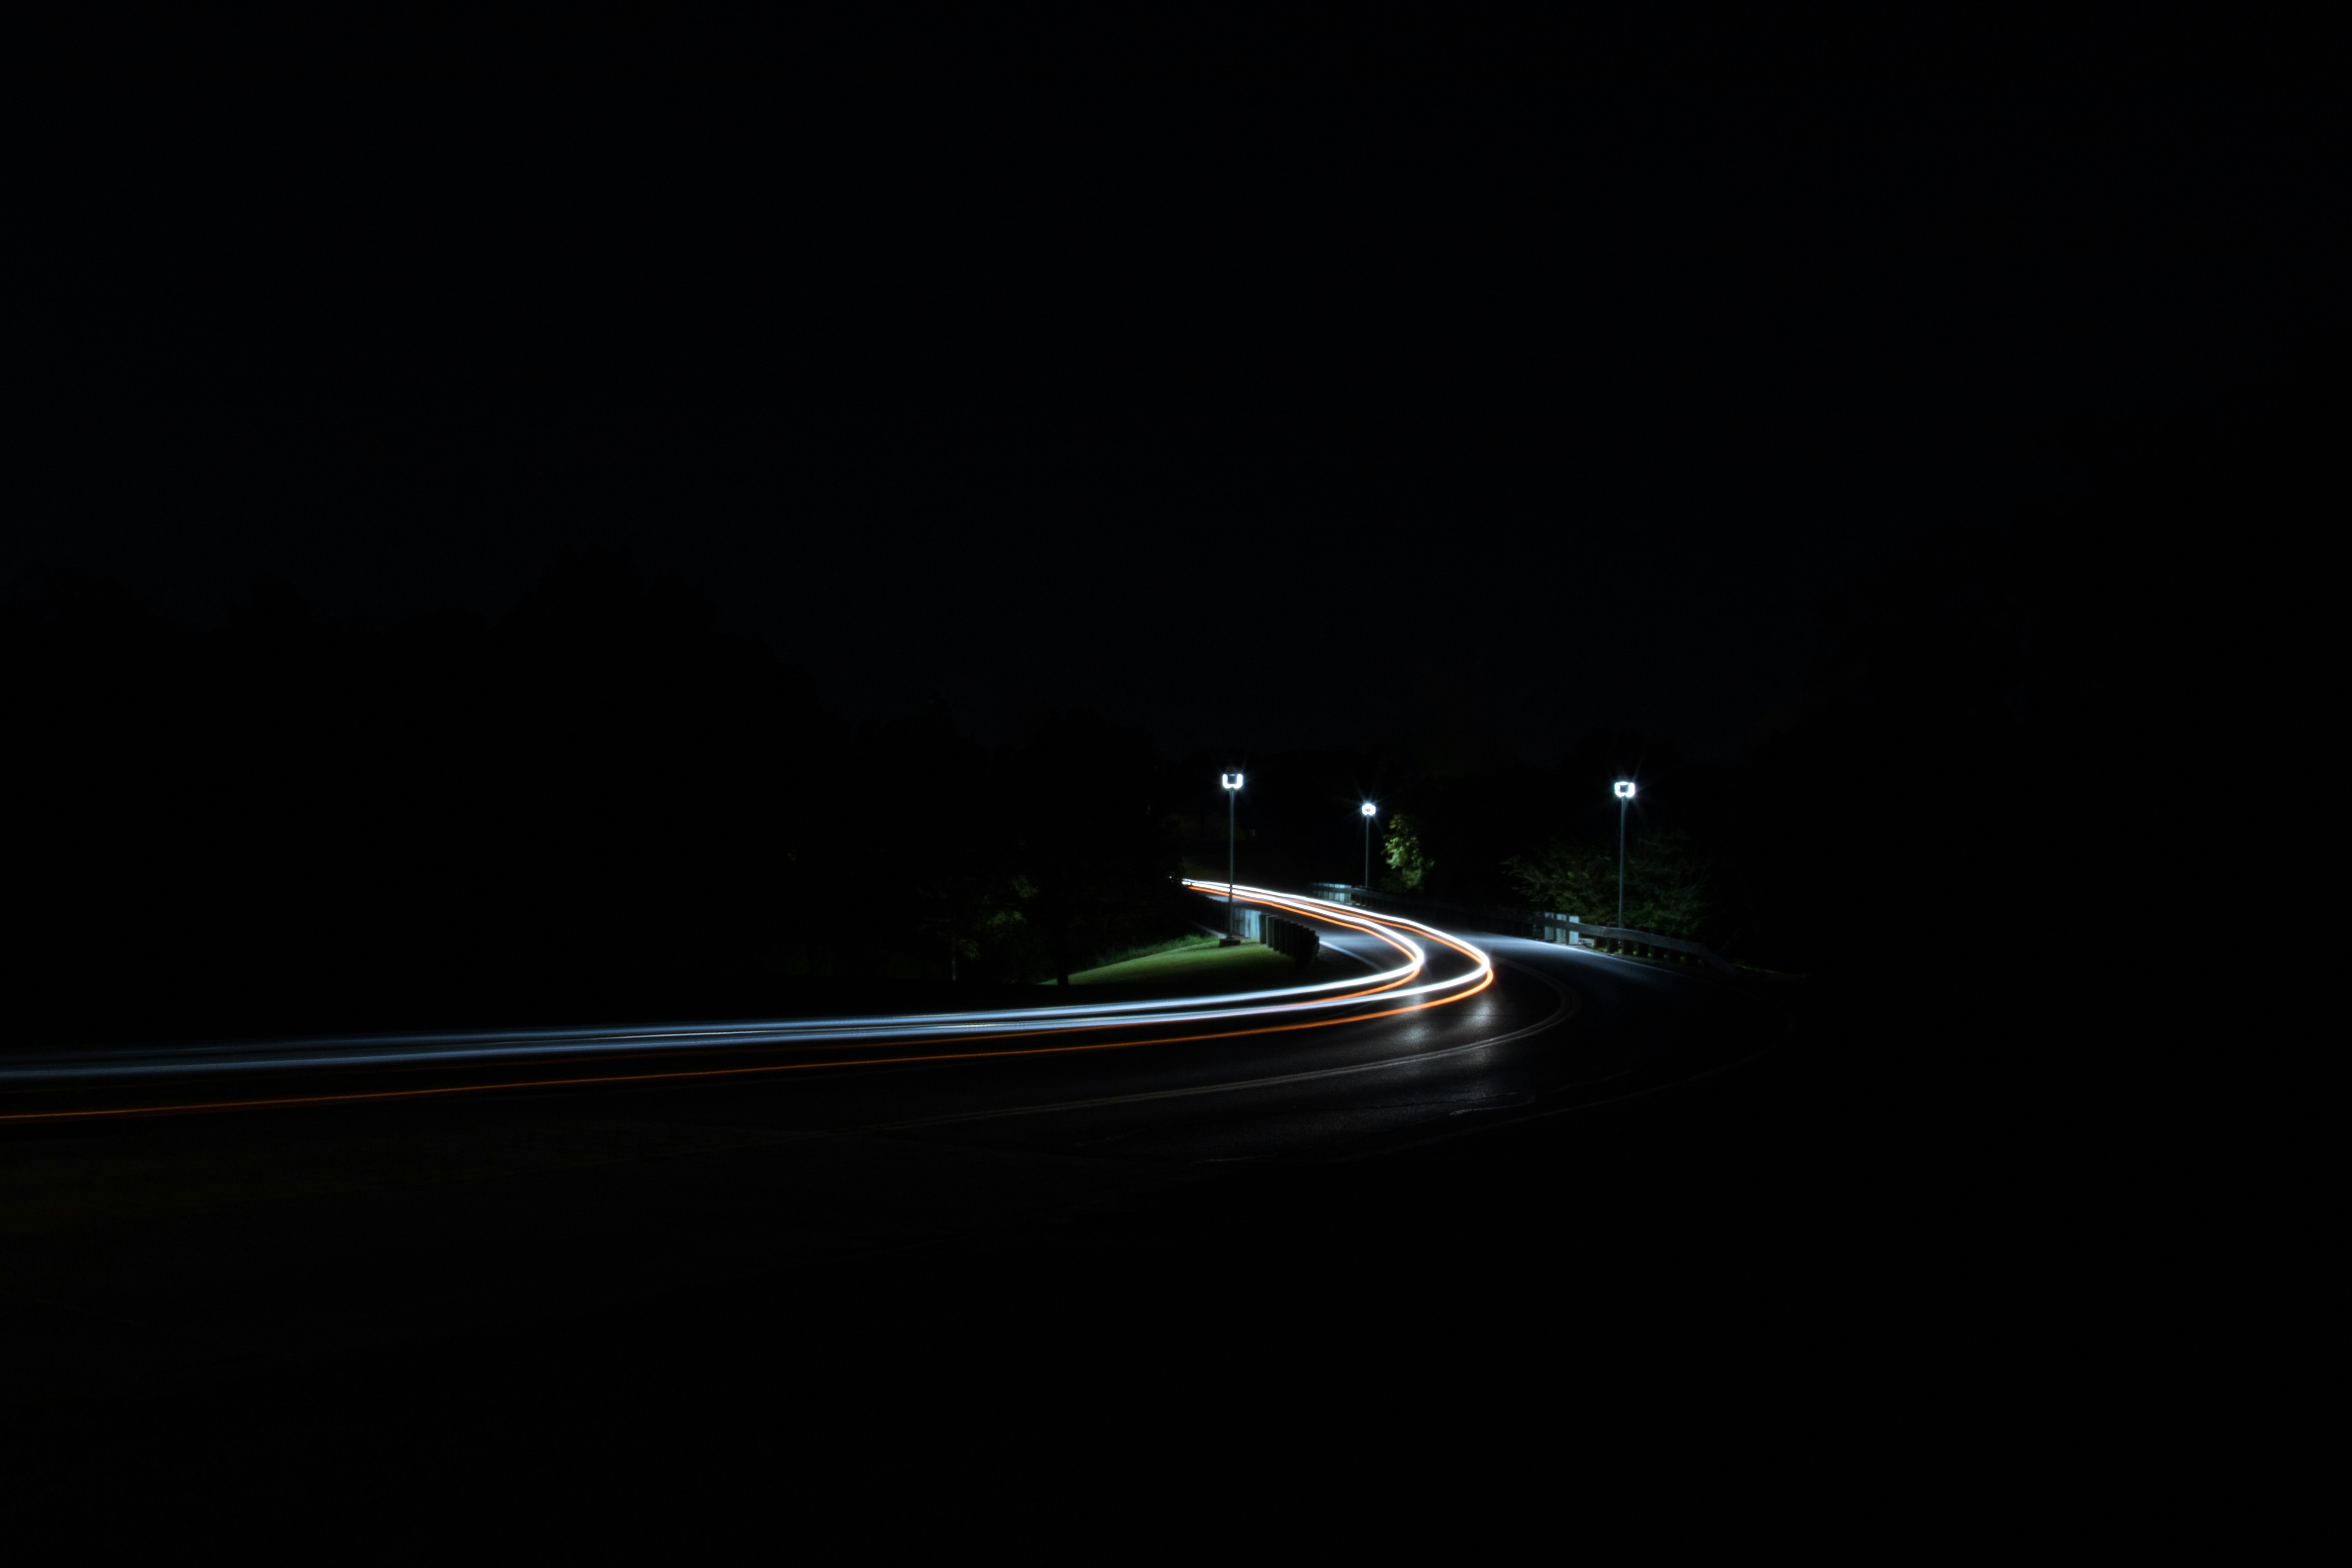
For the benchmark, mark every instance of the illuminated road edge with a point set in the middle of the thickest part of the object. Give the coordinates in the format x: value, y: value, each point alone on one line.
x: 1290, y: 1007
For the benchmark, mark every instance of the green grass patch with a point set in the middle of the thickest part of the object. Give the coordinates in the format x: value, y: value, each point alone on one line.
x: 1193, y: 960
x: 1186, y: 943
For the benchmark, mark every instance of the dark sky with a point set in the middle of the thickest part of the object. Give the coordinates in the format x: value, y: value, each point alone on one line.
x: 1258, y: 411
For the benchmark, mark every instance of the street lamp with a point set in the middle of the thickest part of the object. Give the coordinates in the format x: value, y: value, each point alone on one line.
x: 1370, y: 811
x: 1233, y: 783
x: 1625, y: 794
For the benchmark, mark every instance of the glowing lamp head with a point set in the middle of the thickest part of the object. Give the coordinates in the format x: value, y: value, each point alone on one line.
x: 1230, y: 781
x: 1370, y: 809
x: 1624, y: 789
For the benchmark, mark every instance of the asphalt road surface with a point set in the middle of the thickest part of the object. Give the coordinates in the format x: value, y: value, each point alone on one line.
x: 1397, y: 1024
x: 384, y: 1235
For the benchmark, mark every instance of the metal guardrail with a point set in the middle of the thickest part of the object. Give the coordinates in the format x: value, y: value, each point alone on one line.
x: 1562, y: 930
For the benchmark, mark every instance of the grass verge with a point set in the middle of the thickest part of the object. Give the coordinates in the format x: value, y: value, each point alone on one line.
x: 1194, y: 959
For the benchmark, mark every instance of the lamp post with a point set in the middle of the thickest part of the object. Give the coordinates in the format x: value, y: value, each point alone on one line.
x: 1625, y: 794
x: 1369, y: 812
x: 1233, y: 783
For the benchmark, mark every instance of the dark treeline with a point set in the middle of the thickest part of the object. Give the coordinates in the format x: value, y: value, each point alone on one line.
x: 600, y: 803
x: 1994, y: 748
x: 1517, y: 836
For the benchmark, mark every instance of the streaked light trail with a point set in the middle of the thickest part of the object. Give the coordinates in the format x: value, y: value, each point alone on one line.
x: 951, y: 1036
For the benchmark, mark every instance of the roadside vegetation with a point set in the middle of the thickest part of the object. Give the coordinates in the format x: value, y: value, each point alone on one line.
x: 1197, y: 959
x: 600, y: 803
x: 1666, y: 877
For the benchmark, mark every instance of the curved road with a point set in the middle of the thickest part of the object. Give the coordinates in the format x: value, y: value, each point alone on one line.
x: 1429, y: 1027
x: 345, y: 1199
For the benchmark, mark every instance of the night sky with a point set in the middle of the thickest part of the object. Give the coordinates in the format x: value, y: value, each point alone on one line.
x: 1257, y: 411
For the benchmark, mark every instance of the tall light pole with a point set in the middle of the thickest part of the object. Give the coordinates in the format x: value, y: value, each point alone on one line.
x: 1625, y: 794
x: 1370, y: 811
x: 1233, y: 783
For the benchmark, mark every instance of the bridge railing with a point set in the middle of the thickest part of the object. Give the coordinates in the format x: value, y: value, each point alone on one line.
x: 1563, y: 931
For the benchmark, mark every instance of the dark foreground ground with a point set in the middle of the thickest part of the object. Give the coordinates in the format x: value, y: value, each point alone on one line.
x: 1705, y: 1285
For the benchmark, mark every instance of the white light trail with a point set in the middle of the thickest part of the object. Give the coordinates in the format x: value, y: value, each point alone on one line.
x: 1323, y: 1002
